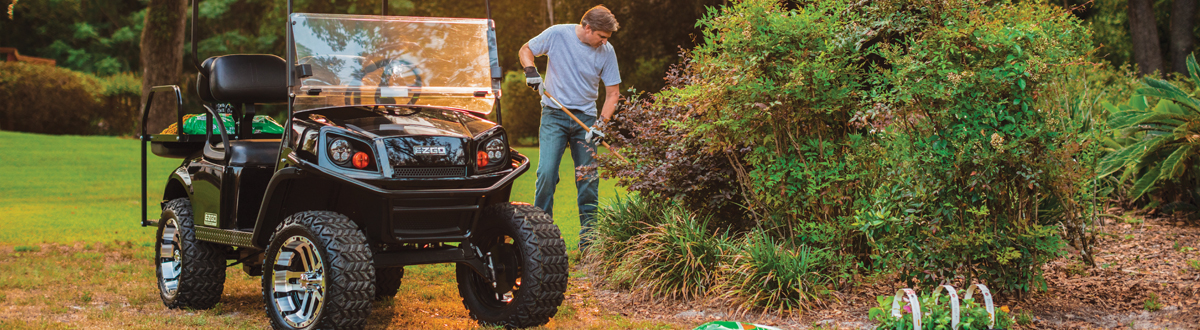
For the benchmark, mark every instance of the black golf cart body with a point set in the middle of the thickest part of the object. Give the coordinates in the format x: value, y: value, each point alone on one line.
x: 386, y: 129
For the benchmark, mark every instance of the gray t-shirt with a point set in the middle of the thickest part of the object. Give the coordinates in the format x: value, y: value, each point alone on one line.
x: 574, y: 70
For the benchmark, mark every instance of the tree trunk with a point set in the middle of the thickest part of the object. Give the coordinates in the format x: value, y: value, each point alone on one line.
x: 162, y: 58
x: 1144, y: 32
x: 1183, y: 18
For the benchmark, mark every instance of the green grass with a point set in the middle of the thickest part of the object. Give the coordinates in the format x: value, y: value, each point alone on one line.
x: 60, y: 189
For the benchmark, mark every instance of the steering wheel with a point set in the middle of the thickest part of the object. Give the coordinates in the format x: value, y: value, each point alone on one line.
x: 393, y: 72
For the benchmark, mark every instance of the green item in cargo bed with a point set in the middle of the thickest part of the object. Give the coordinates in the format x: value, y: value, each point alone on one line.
x: 261, y: 125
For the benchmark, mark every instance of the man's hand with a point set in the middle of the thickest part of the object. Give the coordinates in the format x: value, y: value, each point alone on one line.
x: 532, y: 78
x: 594, y: 136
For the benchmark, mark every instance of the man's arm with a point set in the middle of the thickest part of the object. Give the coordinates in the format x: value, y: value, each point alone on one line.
x: 611, y: 94
x: 526, y: 56
x: 532, y: 78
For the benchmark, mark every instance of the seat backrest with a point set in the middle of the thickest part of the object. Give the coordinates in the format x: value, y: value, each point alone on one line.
x: 243, y: 78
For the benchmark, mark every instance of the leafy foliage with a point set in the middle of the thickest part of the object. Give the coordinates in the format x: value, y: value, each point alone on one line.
x: 1160, y: 142
x: 936, y: 313
x: 947, y: 142
x: 521, y: 120
x: 676, y: 255
x: 765, y: 273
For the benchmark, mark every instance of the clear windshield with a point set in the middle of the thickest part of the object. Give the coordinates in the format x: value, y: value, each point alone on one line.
x: 364, y: 60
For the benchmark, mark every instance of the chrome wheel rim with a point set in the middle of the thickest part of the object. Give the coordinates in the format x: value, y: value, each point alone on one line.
x: 299, y: 282
x: 170, y: 261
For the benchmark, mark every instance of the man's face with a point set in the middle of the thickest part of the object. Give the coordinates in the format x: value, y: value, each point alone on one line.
x: 595, y: 38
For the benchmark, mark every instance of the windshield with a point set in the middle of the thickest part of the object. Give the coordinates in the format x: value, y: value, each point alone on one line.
x: 365, y: 60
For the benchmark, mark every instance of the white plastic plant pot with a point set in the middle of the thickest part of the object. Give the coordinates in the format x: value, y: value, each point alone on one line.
x: 910, y: 296
x: 987, y: 302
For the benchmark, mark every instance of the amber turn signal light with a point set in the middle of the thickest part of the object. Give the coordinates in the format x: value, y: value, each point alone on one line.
x: 361, y: 160
x: 481, y: 159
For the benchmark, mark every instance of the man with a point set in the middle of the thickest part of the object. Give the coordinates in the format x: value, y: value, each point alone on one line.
x: 580, y: 57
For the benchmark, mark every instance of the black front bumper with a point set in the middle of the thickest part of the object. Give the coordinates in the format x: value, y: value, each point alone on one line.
x: 419, y: 211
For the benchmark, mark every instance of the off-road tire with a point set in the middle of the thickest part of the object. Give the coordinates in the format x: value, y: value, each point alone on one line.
x: 541, y: 254
x: 346, y: 267
x: 201, y: 265
x: 387, y: 282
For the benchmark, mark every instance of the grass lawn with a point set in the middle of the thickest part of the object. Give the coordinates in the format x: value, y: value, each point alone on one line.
x: 61, y: 189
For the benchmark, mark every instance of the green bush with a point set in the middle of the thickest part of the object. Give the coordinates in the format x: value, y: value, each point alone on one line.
x: 52, y: 100
x: 660, y: 250
x: 1158, y: 139
x: 522, y: 110
x: 767, y: 273
x: 946, y: 143
x: 46, y: 99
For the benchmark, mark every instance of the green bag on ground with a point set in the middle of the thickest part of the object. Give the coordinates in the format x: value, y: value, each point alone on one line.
x: 732, y: 325
x: 261, y: 125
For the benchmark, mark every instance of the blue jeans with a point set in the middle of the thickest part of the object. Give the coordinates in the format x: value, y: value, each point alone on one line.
x: 556, y: 133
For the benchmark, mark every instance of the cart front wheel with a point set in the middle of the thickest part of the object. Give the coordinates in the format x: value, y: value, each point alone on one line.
x: 318, y: 273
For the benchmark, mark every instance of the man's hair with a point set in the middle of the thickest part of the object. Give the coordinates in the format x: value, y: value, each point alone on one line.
x: 599, y: 18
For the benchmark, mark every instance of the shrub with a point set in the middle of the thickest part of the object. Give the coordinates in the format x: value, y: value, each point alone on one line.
x: 122, y: 95
x: 947, y: 142
x: 46, y: 99
x: 668, y: 252
x: 52, y: 100
x: 766, y: 273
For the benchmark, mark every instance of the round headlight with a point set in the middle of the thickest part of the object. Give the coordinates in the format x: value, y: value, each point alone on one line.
x: 340, y: 151
x: 495, y: 150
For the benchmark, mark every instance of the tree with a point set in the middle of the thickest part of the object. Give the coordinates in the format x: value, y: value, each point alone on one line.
x: 162, y: 56
x: 1144, y: 32
x: 1183, y: 19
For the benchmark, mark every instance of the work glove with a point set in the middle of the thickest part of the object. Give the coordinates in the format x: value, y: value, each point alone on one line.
x: 594, y: 136
x: 532, y: 78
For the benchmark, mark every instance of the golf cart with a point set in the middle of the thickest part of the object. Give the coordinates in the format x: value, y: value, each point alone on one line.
x: 385, y: 160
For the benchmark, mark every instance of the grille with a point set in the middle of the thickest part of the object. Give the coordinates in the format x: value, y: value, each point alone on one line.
x: 431, y: 172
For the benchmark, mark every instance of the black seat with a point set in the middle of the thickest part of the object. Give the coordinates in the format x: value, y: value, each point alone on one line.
x: 245, y: 153
x: 243, y: 78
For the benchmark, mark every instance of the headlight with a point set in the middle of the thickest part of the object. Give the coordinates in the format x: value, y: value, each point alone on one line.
x: 350, y: 154
x: 340, y: 151
x: 495, y: 150
x: 492, y: 153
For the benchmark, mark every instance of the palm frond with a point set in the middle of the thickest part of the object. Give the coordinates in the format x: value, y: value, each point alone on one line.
x: 1138, y: 102
x: 1193, y: 69
x: 1164, y: 90
x: 1115, y: 161
x: 1175, y: 165
x: 1145, y: 183
x: 1131, y: 118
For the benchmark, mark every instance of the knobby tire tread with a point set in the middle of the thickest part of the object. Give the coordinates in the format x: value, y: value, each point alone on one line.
x: 544, y: 279
x: 202, y: 276
x: 351, y: 275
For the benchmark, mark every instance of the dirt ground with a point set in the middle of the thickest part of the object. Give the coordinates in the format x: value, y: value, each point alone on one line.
x: 1137, y: 258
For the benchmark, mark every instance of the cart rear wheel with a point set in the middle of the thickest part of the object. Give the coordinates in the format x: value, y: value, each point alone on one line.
x: 317, y: 273
x: 191, y: 273
x: 529, y: 259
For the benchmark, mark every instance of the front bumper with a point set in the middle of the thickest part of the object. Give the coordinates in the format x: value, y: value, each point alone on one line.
x: 424, y: 211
